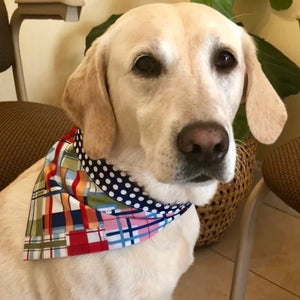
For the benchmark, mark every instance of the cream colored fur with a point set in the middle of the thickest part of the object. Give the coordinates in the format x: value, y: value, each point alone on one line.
x: 133, y: 122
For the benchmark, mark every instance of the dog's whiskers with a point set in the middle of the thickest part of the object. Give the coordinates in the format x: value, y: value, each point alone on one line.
x: 242, y: 15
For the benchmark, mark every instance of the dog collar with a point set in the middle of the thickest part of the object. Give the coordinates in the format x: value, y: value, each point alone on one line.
x: 81, y: 206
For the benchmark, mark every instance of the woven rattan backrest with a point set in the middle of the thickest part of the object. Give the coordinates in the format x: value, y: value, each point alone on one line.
x: 6, y: 44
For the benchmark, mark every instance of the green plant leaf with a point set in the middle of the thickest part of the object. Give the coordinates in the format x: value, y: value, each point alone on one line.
x: 240, y: 125
x: 283, y: 74
x: 281, y: 4
x: 223, y: 6
x: 99, y: 30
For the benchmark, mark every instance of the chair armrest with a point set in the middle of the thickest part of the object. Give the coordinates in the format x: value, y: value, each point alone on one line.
x: 67, y: 10
x: 66, y: 2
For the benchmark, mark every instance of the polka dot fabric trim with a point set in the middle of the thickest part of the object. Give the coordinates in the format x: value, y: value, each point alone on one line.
x: 119, y: 186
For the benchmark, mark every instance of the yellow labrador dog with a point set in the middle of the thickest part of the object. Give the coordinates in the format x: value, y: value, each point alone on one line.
x: 156, y: 96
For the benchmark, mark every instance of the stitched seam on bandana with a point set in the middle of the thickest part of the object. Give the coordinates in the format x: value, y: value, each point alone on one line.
x: 70, y: 215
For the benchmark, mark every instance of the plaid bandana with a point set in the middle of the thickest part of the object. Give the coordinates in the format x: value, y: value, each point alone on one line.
x: 81, y: 206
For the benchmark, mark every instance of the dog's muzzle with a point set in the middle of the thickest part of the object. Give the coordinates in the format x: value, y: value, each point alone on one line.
x: 203, y: 147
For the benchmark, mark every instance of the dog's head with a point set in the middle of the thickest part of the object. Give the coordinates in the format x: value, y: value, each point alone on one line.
x: 160, y: 90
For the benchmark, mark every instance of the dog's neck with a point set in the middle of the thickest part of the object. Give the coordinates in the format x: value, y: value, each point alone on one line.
x: 133, y: 161
x: 122, y: 187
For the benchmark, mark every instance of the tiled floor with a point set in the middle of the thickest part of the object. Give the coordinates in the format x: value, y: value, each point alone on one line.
x: 275, y: 263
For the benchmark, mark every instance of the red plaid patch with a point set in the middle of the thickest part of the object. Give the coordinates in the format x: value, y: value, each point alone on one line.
x: 86, y: 241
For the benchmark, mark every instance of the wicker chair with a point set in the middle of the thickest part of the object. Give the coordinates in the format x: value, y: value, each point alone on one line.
x: 281, y: 173
x: 27, y: 130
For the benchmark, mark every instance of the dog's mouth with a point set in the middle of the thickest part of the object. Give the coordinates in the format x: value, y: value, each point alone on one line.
x: 193, y: 174
x: 194, y: 177
x: 198, y: 179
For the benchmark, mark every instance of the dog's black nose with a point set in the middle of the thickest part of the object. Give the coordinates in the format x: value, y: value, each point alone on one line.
x: 203, y: 143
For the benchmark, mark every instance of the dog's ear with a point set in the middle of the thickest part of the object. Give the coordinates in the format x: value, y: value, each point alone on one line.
x: 87, y: 103
x: 265, y: 111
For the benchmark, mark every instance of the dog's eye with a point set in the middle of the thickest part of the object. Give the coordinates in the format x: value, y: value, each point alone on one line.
x: 225, y: 61
x: 147, y: 66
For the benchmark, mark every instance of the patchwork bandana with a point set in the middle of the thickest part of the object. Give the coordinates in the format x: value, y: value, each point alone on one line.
x: 81, y: 206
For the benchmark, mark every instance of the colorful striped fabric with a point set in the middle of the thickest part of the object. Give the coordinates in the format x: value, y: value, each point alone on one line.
x: 71, y: 215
